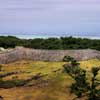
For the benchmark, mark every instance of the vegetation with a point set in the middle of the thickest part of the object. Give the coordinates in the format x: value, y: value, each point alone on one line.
x: 62, y: 43
x: 81, y: 87
x: 68, y: 58
x: 41, y: 80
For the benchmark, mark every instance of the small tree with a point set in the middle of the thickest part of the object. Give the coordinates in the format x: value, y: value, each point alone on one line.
x: 81, y: 87
x: 79, y: 75
x: 94, y: 90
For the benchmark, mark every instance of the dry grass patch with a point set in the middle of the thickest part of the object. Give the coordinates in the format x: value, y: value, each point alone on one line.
x: 56, y: 88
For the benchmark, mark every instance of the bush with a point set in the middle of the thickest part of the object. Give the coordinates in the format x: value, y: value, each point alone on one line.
x: 68, y: 58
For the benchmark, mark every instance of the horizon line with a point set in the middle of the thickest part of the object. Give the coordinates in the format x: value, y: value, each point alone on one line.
x: 47, y: 36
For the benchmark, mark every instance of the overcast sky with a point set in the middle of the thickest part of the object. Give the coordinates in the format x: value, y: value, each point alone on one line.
x: 50, y: 16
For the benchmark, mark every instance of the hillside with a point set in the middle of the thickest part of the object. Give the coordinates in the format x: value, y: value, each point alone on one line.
x: 21, y: 53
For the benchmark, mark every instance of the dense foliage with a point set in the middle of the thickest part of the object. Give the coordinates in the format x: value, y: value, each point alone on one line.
x: 50, y: 43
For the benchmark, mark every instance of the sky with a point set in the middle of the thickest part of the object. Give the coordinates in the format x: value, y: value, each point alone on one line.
x: 73, y: 17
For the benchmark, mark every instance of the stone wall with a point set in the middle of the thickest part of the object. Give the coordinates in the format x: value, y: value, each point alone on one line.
x: 46, y: 55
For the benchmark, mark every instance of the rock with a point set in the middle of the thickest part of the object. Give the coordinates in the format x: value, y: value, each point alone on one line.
x: 2, y: 49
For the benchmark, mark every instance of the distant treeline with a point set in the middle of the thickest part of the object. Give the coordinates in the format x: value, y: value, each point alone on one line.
x: 50, y: 43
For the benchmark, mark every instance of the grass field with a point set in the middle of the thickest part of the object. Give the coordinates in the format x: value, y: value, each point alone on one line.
x: 53, y: 85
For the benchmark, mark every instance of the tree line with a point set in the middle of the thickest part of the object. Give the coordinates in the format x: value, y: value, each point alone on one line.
x: 61, y: 43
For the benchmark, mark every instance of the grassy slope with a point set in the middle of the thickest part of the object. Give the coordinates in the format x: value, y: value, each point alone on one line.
x: 56, y: 88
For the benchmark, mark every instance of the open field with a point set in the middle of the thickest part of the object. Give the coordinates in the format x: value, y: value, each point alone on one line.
x: 49, y: 82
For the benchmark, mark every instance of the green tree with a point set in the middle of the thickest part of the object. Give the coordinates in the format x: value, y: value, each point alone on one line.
x: 81, y: 87
x: 94, y: 92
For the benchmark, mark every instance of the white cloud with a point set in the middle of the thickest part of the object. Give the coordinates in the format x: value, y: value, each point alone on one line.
x: 49, y: 15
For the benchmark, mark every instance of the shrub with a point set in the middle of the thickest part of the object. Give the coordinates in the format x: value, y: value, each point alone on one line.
x: 81, y: 87
x: 68, y: 58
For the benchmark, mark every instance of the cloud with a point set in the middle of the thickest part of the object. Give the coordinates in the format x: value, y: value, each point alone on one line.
x: 49, y: 15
